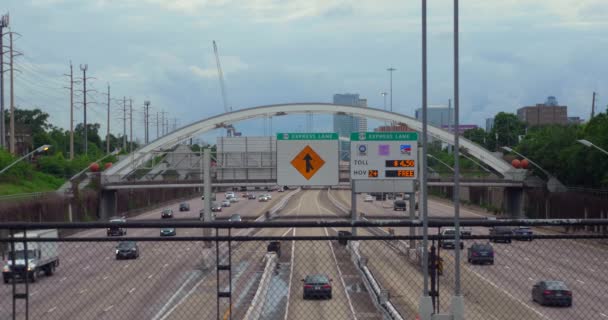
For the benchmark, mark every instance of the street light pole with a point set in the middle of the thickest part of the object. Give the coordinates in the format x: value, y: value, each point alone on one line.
x: 531, y: 162
x: 390, y: 70
x: 41, y: 148
x: 384, y: 97
x: 443, y: 163
x: 590, y: 144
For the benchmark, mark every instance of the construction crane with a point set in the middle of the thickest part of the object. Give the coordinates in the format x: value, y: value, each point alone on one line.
x: 230, y: 130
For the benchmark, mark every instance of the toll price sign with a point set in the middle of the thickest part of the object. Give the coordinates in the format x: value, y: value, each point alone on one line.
x: 384, y: 155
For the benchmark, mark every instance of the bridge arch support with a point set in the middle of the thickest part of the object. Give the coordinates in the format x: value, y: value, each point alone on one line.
x: 143, y: 154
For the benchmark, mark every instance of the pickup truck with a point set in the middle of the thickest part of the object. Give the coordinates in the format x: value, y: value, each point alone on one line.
x: 41, y: 256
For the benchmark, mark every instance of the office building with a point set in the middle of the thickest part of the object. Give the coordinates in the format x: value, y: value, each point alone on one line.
x: 549, y: 112
x: 401, y: 127
x: 461, y: 128
x: 437, y: 116
x: 489, y: 124
x: 575, y: 120
x: 345, y: 124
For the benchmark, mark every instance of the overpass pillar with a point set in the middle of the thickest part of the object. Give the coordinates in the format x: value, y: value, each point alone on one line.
x: 107, y: 204
x: 514, y: 202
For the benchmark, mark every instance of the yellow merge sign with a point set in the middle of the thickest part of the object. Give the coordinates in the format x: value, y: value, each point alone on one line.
x: 307, y: 162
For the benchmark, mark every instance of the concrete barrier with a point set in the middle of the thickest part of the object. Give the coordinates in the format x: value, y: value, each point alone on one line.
x: 257, y: 304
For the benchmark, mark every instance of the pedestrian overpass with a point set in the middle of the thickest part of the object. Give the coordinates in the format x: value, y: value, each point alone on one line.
x: 139, y: 157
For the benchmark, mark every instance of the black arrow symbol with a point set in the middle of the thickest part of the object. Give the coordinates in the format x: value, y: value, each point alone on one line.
x: 308, y: 158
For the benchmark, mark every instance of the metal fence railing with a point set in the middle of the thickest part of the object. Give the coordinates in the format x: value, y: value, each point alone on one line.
x: 297, y: 270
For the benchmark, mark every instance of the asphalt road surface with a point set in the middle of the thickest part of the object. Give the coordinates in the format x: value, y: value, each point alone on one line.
x: 503, y: 290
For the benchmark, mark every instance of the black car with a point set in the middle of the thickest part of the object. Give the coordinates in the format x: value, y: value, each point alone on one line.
x: 166, y: 213
x: 480, y: 253
x: 501, y: 234
x: 127, y: 250
x: 399, y: 205
x: 317, y: 286
x: 552, y: 293
x: 116, y: 231
x: 184, y: 206
x: 235, y: 217
x: 167, y: 232
x: 274, y: 246
x: 523, y: 233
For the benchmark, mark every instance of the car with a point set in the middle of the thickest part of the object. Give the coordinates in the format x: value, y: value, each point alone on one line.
x: 166, y: 213
x: 233, y: 199
x: 523, y: 233
x: 262, y: 198
x: 116, y: 231
x: 127, y: 250
x: 399, y: 205
x: 216, y: 207
x: 251, y: 196
x: 268, y: 196
x: 245, y: 194
x: 235, y: 217
x: 184, y: 206
x: 212, y: 197
x: 226, y: 203
x: 229, y: 194
x: 450, y: 242
x: 552, y: 293
x: 281, y: 189
x: 406, y: 196
x: 480, y: 253
x: 274, y: 246
x: 368, y: 198
x: 317, y: 286
x: 501, y: 234
x: 167, y: 232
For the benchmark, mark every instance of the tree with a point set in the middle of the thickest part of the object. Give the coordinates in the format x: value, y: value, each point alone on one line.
x: 506, y: 131
x: 476, y: 135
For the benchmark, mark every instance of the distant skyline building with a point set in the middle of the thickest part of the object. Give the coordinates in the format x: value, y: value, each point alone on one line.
x: 345, y: 124
x: 461, y: 128
x: 489, y: 124
x: 575, y: 120
x: 549, y: 112
x: 437, y: 115
x: 394, y: 128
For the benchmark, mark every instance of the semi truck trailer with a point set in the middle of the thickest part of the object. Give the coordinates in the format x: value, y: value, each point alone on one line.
x: 39, y: 257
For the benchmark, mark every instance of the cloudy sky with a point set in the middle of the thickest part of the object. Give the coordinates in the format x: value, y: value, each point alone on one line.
x: 513, y: 53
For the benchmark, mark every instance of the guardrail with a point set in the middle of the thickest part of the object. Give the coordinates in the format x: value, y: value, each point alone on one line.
x: 255, y: 309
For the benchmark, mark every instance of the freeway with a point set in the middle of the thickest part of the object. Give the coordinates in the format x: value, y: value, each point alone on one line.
x: 91, y: 284
x: 503, y: 289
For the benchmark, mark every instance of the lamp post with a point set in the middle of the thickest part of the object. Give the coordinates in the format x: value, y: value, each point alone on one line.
x: 384, y: 97
x: 591, y: 145
x: 475, y: 162
x: 44, y: 147
x: 531, y: 162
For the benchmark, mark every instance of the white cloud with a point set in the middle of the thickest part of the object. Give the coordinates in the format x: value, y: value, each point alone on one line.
x: 230, y: 65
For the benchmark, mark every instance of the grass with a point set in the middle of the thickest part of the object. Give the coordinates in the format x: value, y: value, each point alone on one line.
x: 39, y: 182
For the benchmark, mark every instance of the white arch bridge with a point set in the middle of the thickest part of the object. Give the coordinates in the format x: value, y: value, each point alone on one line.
x: 123, y: 168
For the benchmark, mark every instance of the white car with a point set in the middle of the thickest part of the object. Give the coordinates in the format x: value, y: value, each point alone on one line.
x: 262, y: 198
x: 233, y: 199
x: 229, y: 194
x: 267, y: 195
x: 226, y: 203
x: 368, y: 198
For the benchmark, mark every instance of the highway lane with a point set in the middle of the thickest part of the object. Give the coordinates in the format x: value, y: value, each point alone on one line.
x: 519, y: 265
x: 89, y: 276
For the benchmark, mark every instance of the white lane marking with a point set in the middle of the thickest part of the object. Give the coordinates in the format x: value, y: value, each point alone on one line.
x: 126, y: 266
x: 183, y: 299
x: 510, y: 295
x: 150, y: 276
x: 52, y: 309
x: 591, y: 270
x: 526, y: 258
x: 350, y: 303
x: 179, y: 290
x: 293, y: 247
x: 166, y: 265
x: 33, y: 293
x: 132, y: 289
x: 603, y: 315
x: 286, y: 232
x: 461, y: 209
x: 106, y: 277
x: 82, y: 291
x: 188, y: 249
x: 108, y: 308
x: 530, y: 279
x: 107, y: 258
x: 507, y: 267
x: 62, y: 279
x: 85, y: 268
x: 579, y: 281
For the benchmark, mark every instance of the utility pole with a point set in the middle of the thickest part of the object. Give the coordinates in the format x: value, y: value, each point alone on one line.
x: 162, y: 123
x: 12, y: 120
x: 71, y: 111
x: 131, y: 124
x: 124, y: 123
x: 3, y: 24
x: 84, y: 96
x: 146, y: 119
x: 390, y: 70
x: 593, y: 106
x: 108, y: 126
x: 157, y: 123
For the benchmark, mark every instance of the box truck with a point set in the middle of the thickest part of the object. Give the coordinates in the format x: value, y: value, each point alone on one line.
x: 41, y: 256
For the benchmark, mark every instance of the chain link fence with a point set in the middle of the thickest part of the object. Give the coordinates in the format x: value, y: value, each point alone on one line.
x: 292, y: 270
